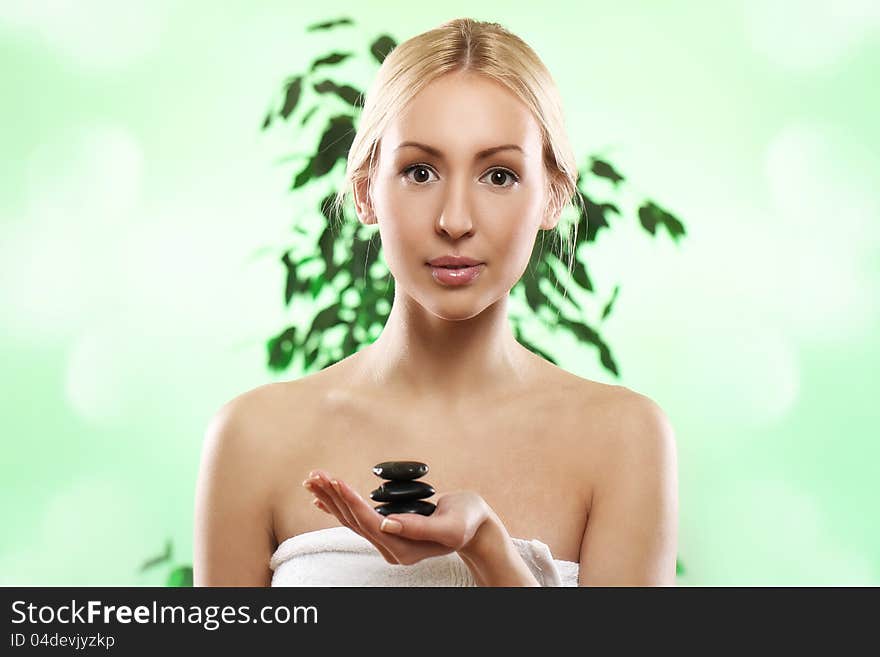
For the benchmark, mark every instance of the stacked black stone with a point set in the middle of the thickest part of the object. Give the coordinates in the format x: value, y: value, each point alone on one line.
x: 402, y: 493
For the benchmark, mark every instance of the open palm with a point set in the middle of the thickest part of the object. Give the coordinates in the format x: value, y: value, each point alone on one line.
x: 450, y: 528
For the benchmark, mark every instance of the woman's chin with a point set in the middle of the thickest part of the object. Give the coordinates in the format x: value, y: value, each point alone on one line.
x: 458, y: 309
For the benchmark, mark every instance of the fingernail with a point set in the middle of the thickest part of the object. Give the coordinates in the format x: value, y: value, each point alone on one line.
x: 335, y: 484
x: 305, y: 482
x: 390, y: 526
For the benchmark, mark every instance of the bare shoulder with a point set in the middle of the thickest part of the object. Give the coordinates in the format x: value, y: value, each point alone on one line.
x: 616, y: 409
x: 249, y: 443
x: 269, y: 414
x: 642, y: 421
x: 609, y: 425
x: 639, y: 441
x: 593, y: 404
x: 634, y: 476
x: 239, y: 423
x: 232, y: 534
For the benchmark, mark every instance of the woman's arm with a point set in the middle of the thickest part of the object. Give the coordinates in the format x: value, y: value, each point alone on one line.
x: 233, y: 538
x: 493, y: 559
x: 632, y: 531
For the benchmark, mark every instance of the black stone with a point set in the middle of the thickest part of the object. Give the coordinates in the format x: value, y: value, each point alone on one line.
x: 400, y: 470
x: 401, y: 491
x: 413, y: 506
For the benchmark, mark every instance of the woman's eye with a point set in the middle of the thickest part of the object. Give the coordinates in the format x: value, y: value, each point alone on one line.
x: 422, y: 172
x: 496, y: 173
x: 420, y: 169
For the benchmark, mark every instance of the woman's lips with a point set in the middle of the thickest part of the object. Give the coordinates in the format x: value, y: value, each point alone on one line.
x: 453, y: 276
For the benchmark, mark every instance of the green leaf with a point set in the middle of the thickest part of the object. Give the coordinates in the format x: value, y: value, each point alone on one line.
x: 652, y: 215
x: 308, y: 115
x: 292, y: 281
x: 281, y: 349
x: 327, y: 318
x: 329, y: 24
x: 350, y: 344
x: 534, y: 295
x: 362, y: 259
x: 608, y: 306
x: 592, y: 218
x: 334, y: 144
x: 317, y: 286
x: 381, y: 47
x: 586, y: 334
x: 602, y: 169
x: 327, y: 246
x: 326, y: 208
x: 294, y: 90
x: 558, y: 284
x: 349, y: 94
x: 580, y: 276
x: 333, y: 147
x: 161, y: 558
x: 180, y: 577
x: 330, y: 60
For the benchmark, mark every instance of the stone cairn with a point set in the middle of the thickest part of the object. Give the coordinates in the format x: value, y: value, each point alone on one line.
x: 402, y: 493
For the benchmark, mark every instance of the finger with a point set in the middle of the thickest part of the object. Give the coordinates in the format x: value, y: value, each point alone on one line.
x: 332, y: 491
x: 351, y: 520
x: 366, y: 515
x: 362, y: 513
x: 323, y: 502
x: 320, y: 484
x: 314, y: 487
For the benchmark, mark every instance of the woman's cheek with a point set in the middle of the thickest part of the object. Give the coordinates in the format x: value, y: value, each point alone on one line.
x: 403, y: 245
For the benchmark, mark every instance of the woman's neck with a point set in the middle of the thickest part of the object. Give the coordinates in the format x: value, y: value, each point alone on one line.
x: 447, y: 360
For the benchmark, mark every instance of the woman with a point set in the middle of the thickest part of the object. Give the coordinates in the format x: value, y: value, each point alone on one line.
x: 543, y: 477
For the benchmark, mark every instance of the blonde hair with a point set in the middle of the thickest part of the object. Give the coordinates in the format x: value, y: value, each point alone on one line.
x: 484, y: 48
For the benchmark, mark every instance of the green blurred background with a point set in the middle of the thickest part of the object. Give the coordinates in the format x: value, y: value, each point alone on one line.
x: 137, y: 188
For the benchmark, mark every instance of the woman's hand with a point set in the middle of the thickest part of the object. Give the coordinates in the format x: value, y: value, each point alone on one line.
x: 402, y: 538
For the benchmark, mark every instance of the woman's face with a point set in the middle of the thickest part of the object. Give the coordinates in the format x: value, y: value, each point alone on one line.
x: 455, y: 201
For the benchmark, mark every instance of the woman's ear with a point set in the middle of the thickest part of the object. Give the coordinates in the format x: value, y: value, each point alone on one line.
x: 362, y: 202
x: 552, y: 211
x: 552, y: 218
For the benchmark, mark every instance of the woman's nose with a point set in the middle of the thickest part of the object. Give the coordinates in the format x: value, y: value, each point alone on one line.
x: 456, y: 226
x: 455, y: 219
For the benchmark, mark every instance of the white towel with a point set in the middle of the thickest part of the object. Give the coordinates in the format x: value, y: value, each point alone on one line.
x: 338, y: 556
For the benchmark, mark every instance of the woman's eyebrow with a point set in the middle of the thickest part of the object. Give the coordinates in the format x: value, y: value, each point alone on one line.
x: 479, y: 156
